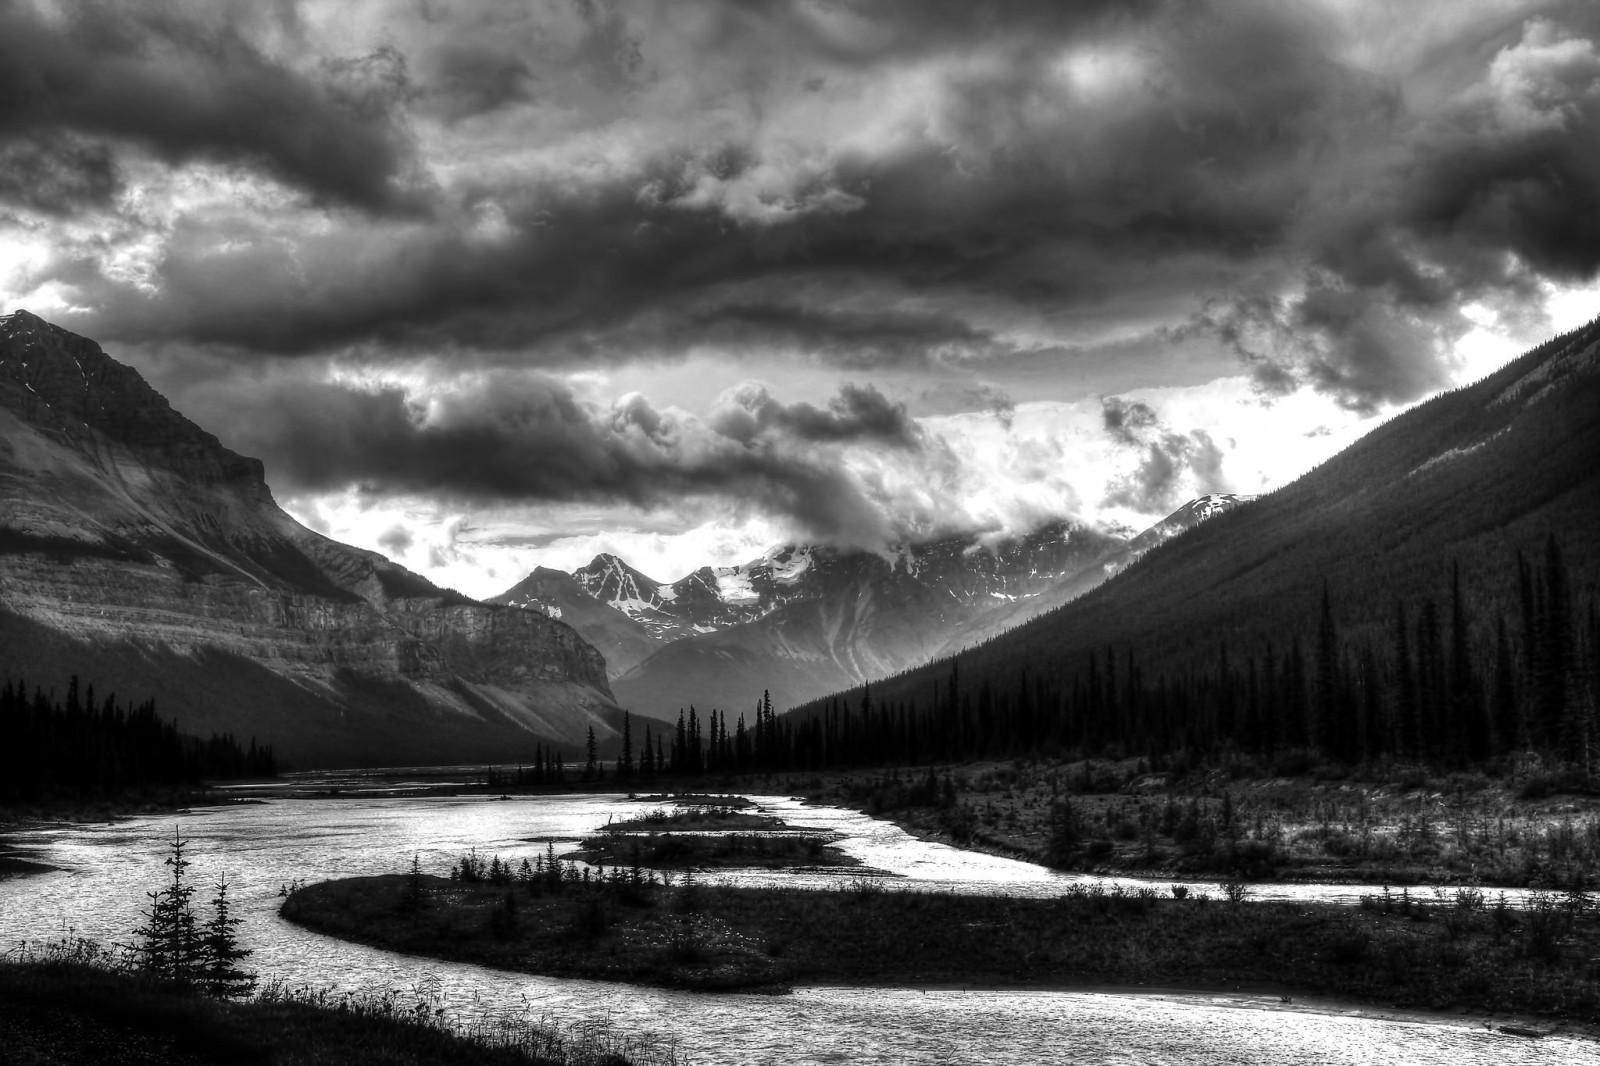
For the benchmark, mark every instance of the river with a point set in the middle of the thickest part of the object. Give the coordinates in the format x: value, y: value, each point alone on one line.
x: 104, y: 871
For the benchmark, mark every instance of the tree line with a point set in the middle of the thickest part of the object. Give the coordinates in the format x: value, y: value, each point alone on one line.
x: 83, y: 747
x: 1449, y: 683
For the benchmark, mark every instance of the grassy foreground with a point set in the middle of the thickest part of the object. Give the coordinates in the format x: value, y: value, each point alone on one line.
x: 1443, y: 953
x: 69, y: 1005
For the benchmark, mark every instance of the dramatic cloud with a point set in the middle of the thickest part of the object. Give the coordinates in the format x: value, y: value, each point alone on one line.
x: 746, y: 412
x: 1126, y: 420
x: 962, y: 207
x: 507, y: 438
x: 396, y: 540
x: 55, y: 173
x: 188, y: 82
x: 867, y: 186
x: 1173, y: 467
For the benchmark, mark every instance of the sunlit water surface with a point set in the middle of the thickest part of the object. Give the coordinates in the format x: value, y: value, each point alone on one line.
x: 106, y: 869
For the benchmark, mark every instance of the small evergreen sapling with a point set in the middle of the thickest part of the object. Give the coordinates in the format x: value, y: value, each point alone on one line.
x: 221, y: 952
x: 175, y: 947
x: 170, y: 946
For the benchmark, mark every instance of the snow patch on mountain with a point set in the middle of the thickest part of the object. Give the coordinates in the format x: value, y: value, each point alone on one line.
x: 1453, y: 453
x: 788, y: 563
x: 735, y: 586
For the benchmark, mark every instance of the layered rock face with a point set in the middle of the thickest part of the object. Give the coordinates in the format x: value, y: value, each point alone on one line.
x: 138, y: 552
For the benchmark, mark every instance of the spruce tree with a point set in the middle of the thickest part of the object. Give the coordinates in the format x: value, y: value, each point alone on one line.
x: 627, y: 745
x: 1323, y: 728
x: 221, y: 952
x: 1509, y: 733
x: 170, y: 947
x: 1407, y: 720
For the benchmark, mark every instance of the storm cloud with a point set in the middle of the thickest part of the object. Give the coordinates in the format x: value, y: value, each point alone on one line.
x: 1172, y: 466
x: 864, y: 185
x: 956, y: 206
x: 188, y: 82
x: 511, y: 438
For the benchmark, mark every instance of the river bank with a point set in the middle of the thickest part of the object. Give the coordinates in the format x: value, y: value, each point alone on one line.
x: 1426, y: 955
x: 19, y: 820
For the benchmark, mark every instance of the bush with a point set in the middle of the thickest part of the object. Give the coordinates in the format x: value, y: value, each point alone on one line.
x: 1061, y: 834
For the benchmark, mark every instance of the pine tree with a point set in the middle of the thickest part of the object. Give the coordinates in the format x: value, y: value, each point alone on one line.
x: 1467, y: 730
x: 627, y: 745
x: 1324, y: 726
x: 1062, y: 833
x: 1509, y: 732
x: 170, y: 946
x: 1407, y: 724
x: 221, y: 951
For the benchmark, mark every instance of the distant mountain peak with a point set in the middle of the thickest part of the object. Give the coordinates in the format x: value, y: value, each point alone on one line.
x: 67, y: 383
x: 1182, y: 520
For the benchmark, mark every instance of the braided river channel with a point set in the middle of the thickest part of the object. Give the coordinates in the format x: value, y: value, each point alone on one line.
x: 103, y: 872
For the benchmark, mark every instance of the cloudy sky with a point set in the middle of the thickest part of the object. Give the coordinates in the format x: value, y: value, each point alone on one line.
x: 495, y: 284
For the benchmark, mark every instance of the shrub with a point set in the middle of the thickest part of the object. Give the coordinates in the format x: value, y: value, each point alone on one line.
x: 1061, y: 834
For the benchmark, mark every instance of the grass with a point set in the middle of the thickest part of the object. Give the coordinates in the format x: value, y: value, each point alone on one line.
x: 720, y: 801
x: 1435, y: 953
x: 72, y: 1003
x: 677, y: 851
x: 695, y: 819
x: 1291, y: 821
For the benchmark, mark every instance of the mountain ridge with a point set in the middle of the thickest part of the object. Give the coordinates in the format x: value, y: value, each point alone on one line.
x: 1473, y: 476
x: 131, y: 536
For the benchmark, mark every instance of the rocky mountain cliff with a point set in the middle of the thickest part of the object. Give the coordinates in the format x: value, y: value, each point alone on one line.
x: 137, y: 551
x: 623, y: 640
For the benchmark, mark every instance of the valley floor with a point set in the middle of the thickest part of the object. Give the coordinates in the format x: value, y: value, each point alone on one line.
x: 1398, y: 826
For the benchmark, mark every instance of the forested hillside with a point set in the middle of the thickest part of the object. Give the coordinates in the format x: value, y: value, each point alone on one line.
x: 77, y: 746
x: 1428, y: 591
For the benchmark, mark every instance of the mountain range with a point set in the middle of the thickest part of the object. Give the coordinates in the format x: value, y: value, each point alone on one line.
x: 805, y: 620
x: 139, y: 552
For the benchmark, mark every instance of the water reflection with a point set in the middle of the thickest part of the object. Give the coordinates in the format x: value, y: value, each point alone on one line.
x: 106, y: 869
